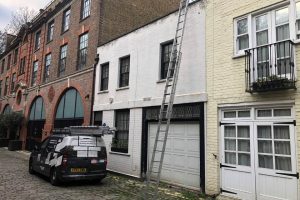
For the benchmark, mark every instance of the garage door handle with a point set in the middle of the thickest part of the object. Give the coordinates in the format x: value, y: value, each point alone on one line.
x: 292, y: 175
x: 227, y: 166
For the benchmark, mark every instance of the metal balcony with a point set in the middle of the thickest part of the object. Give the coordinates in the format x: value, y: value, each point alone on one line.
x: 270, y: 67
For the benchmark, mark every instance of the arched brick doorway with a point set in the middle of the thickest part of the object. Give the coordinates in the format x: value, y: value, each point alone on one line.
x: 69, y: 111
x: 36, y: 123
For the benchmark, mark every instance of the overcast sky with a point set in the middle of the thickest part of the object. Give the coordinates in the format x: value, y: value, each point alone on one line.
x: 7, y: 6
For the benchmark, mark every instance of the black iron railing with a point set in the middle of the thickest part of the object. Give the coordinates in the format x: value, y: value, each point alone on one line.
x: 270, y: 67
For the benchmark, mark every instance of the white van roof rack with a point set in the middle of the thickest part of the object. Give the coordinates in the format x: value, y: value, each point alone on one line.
x: 86, y: 130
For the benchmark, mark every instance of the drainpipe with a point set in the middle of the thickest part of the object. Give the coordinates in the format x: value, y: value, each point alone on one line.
x: 93, y: 88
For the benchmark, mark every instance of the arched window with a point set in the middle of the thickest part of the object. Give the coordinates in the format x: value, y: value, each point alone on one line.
x: 7, y: 109
x: 37, y: 110
x: 70, y: 106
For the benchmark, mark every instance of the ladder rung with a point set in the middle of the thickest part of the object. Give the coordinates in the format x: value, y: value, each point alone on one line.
x: 167, y: 94
x: 179, y: 29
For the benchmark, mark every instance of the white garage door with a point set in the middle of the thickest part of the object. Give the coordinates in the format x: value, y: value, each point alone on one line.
x: 181, y: 164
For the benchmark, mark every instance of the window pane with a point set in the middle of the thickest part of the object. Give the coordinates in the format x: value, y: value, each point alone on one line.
x: 230, y: 144
x: 281, y: 132
x: 243, y: 132
x: 230, y: 131
x: 31, y: 117
x: 242, y: 26
x: 283, y: 163
x: 261, y: 22
x: 282, y: 16
x: 242, y: 114
x: 244, y: 159
x: 38, y: 108
x: 70, y: 104
x: 283, y: 32
x: 230, y: 158
x: 282, y: 147
x: 265, y: 146
x: 244, y: 145
x: 298, y: 10
x: 264, y: 113
x: 264, y: 132
x: 262, y: 38
x: 60, y: 109
x: 243, y: 42
x: 282, y: 112
x: 265, y: 161
x: 231, y: 114
x: 79, y: 107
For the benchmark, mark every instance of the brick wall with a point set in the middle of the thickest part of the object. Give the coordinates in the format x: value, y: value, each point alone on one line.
x: 122, y: 16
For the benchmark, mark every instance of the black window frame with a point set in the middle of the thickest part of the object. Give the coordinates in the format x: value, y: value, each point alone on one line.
x: 50, y: 31
x: 82, y: 50
x: 3, y: 66
x: 120, y: 141
x: 66, y: 20
x: 34, y: 73
x: 98, y: 118
x: 104, y: 76
x: 166, y: 50
x: 1, y: 88
x: 85, y: 9
x: 62, y: 62
x: 8, y: 62
x: 13, y: 81
x: 16, y: 53
x: 37, y: 40
x: 6, y: 86
x: 22, y: 65
x: 123, y: 74
x: 47, y: 66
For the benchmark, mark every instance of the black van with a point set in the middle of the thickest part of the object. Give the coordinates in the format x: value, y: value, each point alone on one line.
x: 75, y: 153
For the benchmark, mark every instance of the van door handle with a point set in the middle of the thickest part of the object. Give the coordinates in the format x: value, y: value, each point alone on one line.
x: 292, y: 175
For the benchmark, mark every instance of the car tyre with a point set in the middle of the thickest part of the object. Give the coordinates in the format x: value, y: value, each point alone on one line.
x: 30, y: 167
x: 54, y: 177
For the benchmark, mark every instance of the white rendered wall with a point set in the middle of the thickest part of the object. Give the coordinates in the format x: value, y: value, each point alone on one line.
x: 145, y: 89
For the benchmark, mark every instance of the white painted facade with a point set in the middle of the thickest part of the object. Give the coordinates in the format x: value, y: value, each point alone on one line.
x: 145, y: 89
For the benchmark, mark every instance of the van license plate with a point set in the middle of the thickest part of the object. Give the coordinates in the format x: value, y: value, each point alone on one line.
x: 78, y: 170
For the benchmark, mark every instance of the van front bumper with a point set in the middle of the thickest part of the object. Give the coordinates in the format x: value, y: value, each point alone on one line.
x: 70, y: 177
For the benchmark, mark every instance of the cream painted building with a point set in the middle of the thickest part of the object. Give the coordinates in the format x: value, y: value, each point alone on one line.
x: 253, y: 110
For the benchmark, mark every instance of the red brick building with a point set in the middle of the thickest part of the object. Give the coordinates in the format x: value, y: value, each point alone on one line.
x: 47, y: 70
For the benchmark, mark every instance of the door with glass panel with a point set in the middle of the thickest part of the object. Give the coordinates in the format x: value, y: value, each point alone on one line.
x: 272, y: 45
x: 275, y: 164
x: 237, y: 163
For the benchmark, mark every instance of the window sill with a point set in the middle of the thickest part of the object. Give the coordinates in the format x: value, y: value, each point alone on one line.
x: 161, y: 81
x: 297, y: 41
x: 48, y: 42
x: 83, y: 19
x: 236, y: 56
x: 122, y: 88
x: 63, y: 32
x: 119, y: 153
x: 103, y: 92
x: 35, y: 50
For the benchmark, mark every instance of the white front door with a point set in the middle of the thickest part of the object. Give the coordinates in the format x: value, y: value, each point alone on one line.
x: 259, y: 160
x: 237, y: 165
x: 276, y: 176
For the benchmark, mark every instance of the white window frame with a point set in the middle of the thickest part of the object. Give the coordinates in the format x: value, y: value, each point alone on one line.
x: 292, y: 23
x: 238, y: 52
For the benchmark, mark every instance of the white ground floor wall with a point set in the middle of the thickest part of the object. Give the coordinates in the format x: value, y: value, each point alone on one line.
x: 182, y: 159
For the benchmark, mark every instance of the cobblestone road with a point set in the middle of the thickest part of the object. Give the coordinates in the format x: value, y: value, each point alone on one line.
x: 17, y: 184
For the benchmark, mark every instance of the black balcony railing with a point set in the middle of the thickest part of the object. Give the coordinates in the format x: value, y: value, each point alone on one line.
x: 270, y: 67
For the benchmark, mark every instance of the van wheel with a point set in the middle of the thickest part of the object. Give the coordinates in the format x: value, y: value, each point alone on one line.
x: 54, y: 177
x: 30, y: 167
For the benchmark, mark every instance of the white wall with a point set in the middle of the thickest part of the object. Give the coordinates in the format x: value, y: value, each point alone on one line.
x: 145, y: 89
